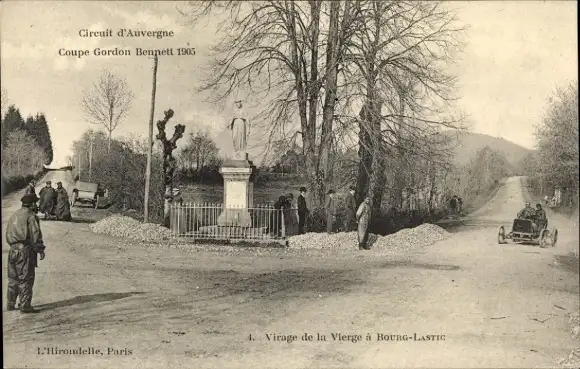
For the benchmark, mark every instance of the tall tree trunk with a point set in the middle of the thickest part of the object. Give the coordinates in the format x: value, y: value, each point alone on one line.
x: 380, y: 180
x: 377, y: 177
x: 332, y: 49
x: 109, y: 142
x: 365, y: 155
x: 308, y: 129
x: 314, y: 85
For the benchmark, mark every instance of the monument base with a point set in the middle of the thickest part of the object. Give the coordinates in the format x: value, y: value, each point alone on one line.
x: 235, y: 218
x: 218, y: 232
x: 238, y: 195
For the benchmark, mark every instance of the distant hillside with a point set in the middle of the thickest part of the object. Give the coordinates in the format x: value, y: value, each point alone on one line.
x: 467, y: 144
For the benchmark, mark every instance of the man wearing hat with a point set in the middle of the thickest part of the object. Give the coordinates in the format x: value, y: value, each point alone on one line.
x: 47, y: 197
x: 302, y: 210
x: 62, y: 210
x: 30, y: 189
x: 350, y: 204
x: 363, y: 216
x: 330, y: 208
x: 541, y: 218
x: 177, y: 198
x: 25, y: 239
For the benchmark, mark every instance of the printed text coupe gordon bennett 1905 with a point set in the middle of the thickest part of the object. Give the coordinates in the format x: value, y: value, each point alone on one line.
x: 138, y: 51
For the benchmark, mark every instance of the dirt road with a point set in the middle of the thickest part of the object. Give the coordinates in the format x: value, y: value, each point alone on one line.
x: 152, y: 307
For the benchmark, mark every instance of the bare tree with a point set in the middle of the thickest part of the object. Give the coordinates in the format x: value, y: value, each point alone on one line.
x: 169, y: 162
x: 108, y: 102
x: 271, y: 48
x: 377, y: 54
x: 396, y: 67
x: 557, y: 143
x: 21, y: 155
x: 200, y: 150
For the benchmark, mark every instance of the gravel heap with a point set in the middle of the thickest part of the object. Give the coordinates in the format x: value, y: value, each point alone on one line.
x: 573, y: 358
x: 575, y: 325
x: 404, y: 240
x: 122, y: 226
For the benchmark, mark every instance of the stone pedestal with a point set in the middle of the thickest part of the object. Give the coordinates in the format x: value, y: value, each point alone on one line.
x: 238, y: 193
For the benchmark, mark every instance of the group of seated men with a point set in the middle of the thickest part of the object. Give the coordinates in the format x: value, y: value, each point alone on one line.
x: 537, y: 216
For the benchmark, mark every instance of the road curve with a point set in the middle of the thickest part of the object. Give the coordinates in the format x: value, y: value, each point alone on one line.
x: 496, y: 305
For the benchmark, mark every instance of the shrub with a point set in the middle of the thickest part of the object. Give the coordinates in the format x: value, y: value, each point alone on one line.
x: 122, y: 172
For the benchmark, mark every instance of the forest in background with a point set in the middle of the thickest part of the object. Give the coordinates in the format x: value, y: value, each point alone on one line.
x: 554, y: 163
x: 26, y: 147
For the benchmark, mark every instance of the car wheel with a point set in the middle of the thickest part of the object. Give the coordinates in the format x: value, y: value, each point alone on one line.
x: 501, y: 235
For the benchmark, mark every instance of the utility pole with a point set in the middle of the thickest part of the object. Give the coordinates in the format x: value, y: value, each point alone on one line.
x: 150, y: 146
x: 92, y: 141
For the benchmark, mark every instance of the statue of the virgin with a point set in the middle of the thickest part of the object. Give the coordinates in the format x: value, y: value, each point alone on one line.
x: 240, y: 126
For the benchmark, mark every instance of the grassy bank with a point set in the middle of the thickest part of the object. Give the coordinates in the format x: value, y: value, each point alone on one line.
x: 17, y: 183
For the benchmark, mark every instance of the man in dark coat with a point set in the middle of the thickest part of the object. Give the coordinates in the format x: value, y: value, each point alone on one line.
x: 530, y: 214
x: 330, y: 208
x: 302, y: 210
x: 276, y: 216
x: 290, y: 223
x: 47, y: 199
x: 30, y: 188
x: 527, y: 212
x: 25, y: 239
x: 350, y: 202
x: 363, y: 216
x: 541, y: 218
x: 453, y: 205
x: 62, y: 210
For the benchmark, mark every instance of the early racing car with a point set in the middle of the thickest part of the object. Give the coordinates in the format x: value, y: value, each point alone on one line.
x: 86, y: 193
x: 523, y: 230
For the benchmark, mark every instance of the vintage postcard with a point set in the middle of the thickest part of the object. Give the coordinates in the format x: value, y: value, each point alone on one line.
x: 289, y: 184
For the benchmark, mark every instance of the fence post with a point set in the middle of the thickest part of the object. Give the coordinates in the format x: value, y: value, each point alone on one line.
x: 192, y: 214
x: 177, y: 212
x: 283, y: 224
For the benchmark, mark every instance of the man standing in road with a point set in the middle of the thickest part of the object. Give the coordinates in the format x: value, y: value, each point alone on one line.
x: 30, y: 189
x: 350, y: 202
x: 363, y: 216
x: 453, y: 205
x: 302, y: 210
x: 47, y: 198
x: 62, y: 203
x: 25, y: 239
x: 330, y: 212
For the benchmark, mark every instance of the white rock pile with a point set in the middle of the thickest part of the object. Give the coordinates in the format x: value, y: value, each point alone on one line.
x: 573, y: 358
x: 123, y: 226
x: 574, y: 322
x: 402, y: 241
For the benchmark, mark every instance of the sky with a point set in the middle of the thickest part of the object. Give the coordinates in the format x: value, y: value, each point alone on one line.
x: 516, y: 54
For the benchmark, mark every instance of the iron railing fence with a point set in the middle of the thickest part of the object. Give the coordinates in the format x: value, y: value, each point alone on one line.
x: 214, y: 222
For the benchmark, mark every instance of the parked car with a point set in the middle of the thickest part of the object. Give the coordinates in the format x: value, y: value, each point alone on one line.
x: 86, y: 193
